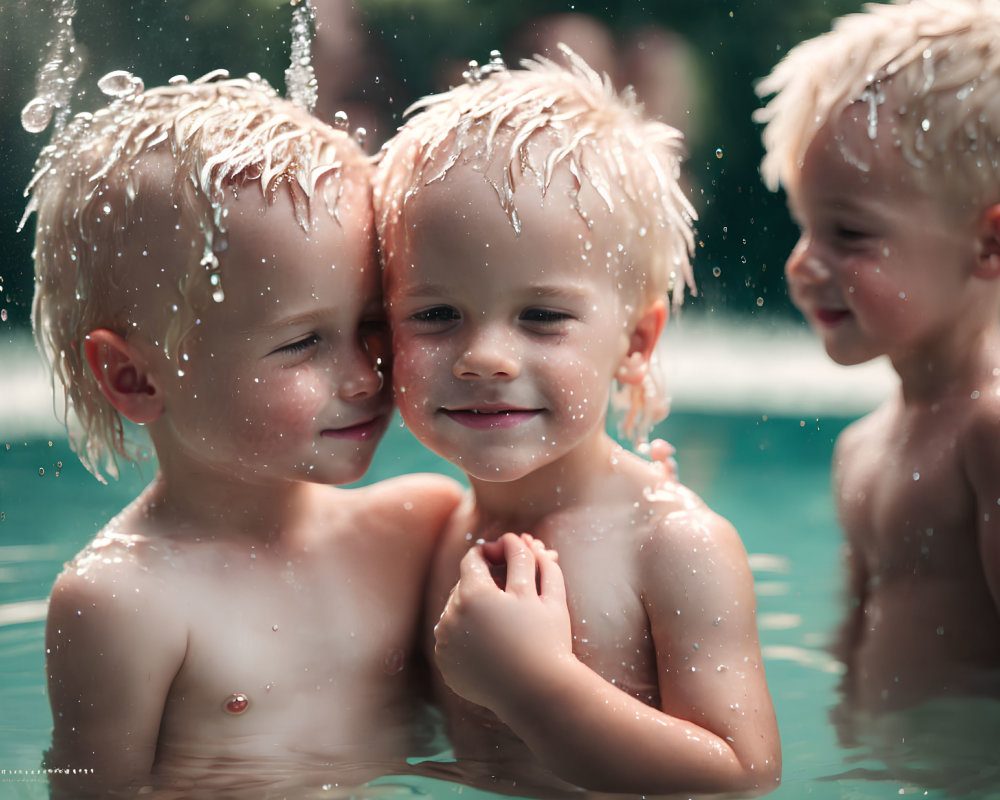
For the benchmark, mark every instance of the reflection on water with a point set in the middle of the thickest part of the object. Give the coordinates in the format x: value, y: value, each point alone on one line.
x: 946, y: 743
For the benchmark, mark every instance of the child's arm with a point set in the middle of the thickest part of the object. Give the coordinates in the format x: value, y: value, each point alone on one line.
x: 112, y: 652
x: 847, y: 637
x: 511, y: 652
x: 983, y: 466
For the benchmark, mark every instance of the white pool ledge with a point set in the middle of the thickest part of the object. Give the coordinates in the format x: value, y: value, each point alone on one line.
x: 740, y: 366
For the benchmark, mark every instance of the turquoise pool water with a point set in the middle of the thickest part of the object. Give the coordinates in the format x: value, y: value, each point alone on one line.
x: 769, y: 475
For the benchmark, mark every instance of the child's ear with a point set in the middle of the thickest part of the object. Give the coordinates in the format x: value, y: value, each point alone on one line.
x: 642, y: 341
x: 988, y: 267
x: 123, y: 375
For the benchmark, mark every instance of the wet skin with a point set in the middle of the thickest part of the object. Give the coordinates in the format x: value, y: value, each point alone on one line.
x: 505, y: 348
x: 239, y: 571
x: 884, y: 268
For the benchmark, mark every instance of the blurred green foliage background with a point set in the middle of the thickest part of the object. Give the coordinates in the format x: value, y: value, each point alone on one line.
x: 386, y: 53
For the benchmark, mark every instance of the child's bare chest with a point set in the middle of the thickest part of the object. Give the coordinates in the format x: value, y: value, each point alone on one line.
x: 906, y: 505
x: 599, y: 558
x: 307, y: 653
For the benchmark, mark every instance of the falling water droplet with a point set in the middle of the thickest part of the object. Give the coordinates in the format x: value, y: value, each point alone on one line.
x: 120, y: 83
x: 36, y: 115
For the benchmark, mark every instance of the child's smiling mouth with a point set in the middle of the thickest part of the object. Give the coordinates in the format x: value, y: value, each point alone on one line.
x: 831, y: 317
x: 490, y: 418
x: 360, y: 432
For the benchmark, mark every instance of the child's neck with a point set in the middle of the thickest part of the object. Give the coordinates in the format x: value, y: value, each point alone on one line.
x: 261, y: 512
x: 577, y: 478
x: 957, y: 365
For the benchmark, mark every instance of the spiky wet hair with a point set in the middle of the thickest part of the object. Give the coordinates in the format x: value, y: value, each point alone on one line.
x: 928, y: 69
x: 529, y: 122
x: 217, y: 134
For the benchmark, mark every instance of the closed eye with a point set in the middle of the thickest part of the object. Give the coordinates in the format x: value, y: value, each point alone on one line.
x: 850, y: 234
x: 299, y: 345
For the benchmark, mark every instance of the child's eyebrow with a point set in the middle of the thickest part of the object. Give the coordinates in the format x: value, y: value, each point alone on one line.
x: 311, y: 318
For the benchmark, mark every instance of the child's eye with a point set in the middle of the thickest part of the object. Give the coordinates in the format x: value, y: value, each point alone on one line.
x: 299, y: 345
x: 437, y: 314
x: 846, y: 233
x: 544, y: 316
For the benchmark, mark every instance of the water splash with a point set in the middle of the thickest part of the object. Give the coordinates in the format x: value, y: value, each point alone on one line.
x: 57, y: 76
x: 120, y: 83
x: 300, y: 77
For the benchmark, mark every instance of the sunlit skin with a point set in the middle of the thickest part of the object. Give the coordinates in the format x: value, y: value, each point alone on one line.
x: 644, y: 673
x: 242, y: 622
x: 884, y: 268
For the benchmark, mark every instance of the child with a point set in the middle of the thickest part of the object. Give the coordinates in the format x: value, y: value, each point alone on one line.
x: 531, y: 227
x: 207, y: 250
x: 884, y: 133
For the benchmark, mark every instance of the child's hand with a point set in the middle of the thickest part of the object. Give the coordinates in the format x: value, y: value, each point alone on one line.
x: 506, y: 616
x: 661, y: 453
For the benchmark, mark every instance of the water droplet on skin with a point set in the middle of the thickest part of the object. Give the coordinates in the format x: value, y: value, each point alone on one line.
x: 916, y: 476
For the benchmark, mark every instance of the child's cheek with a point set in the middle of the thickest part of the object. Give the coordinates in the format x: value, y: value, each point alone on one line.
x: 415, y: 370
x: 274, y: 409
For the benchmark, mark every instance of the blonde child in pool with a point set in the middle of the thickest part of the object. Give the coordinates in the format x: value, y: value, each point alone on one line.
x: 206, y: 268
x: 531, y: 226
x: 884, y: 133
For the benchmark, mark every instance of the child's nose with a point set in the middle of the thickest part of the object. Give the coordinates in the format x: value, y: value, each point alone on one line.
x: 804, y: 265
x: 360, y: 376
x: 489, y: 353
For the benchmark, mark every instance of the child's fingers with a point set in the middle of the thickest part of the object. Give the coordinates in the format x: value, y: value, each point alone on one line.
x: 520, y: 565
x: 551, y: 584
x: 537, y: 546
x: 474, y: 569
x: 493, y: 551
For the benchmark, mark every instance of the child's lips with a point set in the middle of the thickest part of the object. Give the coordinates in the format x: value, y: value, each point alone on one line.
x: 491, y: 418
x: 360, y: 432
x: 831, y: 317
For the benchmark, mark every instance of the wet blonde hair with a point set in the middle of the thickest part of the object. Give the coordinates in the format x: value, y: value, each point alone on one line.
x: 531, y: 121
x: 217, y: 134
x: 928, y: 70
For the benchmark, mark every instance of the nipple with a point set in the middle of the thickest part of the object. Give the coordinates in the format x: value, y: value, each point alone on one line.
x: 236, y: 703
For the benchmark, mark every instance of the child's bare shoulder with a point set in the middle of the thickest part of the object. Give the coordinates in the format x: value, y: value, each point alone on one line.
x: 421, y: 501
x: 981, y: 435
x: 685, y: 534
x: 115, y: 588
x: 865, y: 432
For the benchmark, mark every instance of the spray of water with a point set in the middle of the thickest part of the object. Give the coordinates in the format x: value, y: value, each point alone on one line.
x: 57, y: 76
x: 300, y: 77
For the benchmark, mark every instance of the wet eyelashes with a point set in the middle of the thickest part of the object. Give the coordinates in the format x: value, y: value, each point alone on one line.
x: 300, y: 345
